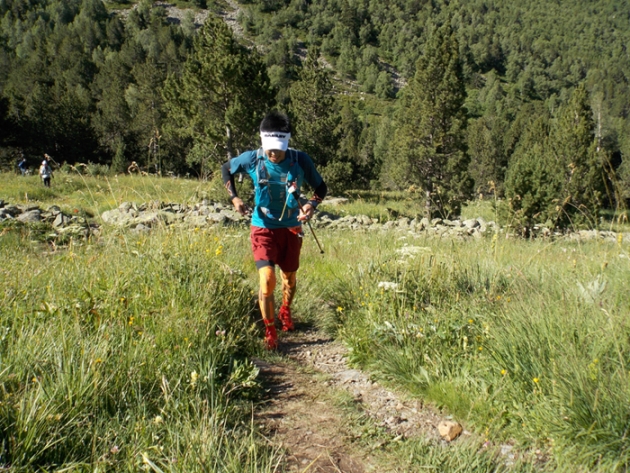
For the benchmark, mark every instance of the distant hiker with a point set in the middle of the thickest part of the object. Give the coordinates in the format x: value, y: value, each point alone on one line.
x: 45, y: 172
x: 23, y: 166
x: 276, y: 232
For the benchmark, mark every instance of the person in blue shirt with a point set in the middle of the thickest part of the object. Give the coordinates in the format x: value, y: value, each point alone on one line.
x: 278, y: 173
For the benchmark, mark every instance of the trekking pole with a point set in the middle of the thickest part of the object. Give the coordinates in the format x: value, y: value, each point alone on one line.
x: 321, y: 251
x: 292, y: 189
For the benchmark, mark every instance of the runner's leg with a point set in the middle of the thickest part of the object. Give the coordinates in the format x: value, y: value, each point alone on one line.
x: 289, y: 285
x: 267, y: 277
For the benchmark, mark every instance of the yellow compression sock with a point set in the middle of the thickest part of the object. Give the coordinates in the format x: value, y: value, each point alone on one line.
x: 267, y: 278
x: 289, y: 285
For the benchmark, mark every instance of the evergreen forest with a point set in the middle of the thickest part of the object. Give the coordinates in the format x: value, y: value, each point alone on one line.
x: 524, y: 101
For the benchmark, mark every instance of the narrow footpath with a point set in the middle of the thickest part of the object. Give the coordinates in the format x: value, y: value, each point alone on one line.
x: 303, y: 412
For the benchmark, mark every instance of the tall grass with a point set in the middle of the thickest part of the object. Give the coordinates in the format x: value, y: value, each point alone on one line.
x: 128, y: 352
x: 100, y: 193
x: 527, y: 341
x: 132, y: 351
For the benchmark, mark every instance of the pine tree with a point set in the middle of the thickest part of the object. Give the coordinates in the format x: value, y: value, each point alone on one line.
x: 429, y: 140
x: 488, y: 158
x: 575, y: 148
x: 220, y: 97
x: 533, y: 183
x: 313, y: 111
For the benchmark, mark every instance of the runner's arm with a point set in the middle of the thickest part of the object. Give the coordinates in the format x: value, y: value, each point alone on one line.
x: 228, y: 180
x: 314, y: 179
x: 319, y: 194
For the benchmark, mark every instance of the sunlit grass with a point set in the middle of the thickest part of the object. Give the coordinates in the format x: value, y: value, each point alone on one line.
x: 129, y: 351
x: 525, y: 341
x: 99, y: 193
x: 132, y: 350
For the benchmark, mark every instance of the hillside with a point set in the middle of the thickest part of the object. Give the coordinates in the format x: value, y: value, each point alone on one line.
x: 87, y: 81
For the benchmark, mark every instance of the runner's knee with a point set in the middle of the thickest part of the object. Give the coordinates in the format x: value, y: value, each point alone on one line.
x: 267, y: 277
x: 289, y: 279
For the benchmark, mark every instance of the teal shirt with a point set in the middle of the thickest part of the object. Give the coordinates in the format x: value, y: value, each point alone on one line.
x: 301, y: 167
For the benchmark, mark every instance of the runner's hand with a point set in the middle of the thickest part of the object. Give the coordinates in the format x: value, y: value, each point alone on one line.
x: 239, y: 206
x: 306, y: 212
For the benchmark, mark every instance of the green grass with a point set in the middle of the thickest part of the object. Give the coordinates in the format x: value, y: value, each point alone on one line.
x: 97, y: 194
x: 524, y: 341
x: 113, y: 356
x: 129, y: 351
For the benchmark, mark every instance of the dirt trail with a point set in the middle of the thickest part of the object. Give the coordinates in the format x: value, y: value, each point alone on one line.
x: 301, y: 416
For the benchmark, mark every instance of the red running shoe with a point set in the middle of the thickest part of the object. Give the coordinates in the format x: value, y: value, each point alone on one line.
x: 271, y: 337
x: 285, y: 317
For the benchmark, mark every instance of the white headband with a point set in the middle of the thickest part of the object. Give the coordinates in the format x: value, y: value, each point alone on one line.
x: 275, y: 140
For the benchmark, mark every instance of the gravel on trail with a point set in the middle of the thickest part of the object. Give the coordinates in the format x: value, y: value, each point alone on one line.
x: 299, y: 416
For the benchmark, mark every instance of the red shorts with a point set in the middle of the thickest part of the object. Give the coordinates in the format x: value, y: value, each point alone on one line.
x: 279, y: 246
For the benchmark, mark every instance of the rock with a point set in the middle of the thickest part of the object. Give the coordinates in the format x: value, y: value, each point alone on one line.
x: 116, y: 217
x: 349, y: 376
x: 471, y: 223
x: 126, y: 206
x: 364, y: 220
x: 441, y: 229
x: 60, y: 220
x: 389, y: 224
x: 12, y: 210
x: 30, y: 216
x: 232, y: 215
x: 196, y: 221
x: 216, y: 217
x: 54, y: 210
x: 148, y: 218
x: 402, y: 222
x: 141, y: 228
x: 449, y: 430
x: 336, y: 201
x: 170, y: 217
x: 27, y: 207
x: 75, y: 230
x: 110, y: 216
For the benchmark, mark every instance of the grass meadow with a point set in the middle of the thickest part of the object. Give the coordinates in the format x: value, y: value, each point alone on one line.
x: 525, y: 342
x: 133, y: 352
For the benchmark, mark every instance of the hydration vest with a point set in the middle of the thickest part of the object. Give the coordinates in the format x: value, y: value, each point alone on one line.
x: 291, y: 190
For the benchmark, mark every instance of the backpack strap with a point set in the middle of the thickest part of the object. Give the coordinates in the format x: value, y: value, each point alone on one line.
x: 261, y: 170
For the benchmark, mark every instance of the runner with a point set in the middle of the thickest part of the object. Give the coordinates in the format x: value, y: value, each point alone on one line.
x: 276, y: 232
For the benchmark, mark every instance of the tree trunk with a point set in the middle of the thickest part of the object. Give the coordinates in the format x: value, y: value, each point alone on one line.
x: 228, y: 143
